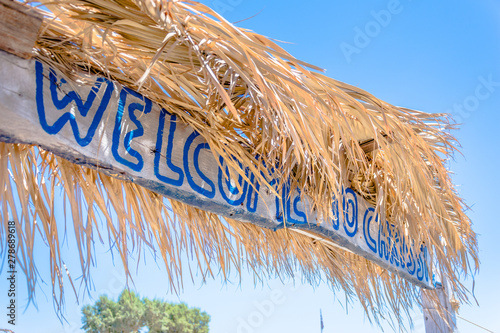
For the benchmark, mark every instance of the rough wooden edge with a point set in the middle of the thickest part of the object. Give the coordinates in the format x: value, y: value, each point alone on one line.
x: 19, y: 28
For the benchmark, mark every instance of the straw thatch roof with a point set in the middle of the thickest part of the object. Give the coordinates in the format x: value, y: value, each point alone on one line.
x: 247, y: 97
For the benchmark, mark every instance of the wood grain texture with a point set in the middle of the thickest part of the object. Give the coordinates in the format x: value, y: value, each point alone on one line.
x: 436, y: 320
x: 19, y: 26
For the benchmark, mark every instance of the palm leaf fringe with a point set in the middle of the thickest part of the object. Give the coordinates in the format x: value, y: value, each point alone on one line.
x: 173, y: 230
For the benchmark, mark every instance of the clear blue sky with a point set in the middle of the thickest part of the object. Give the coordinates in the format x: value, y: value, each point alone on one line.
x: 439, y: 56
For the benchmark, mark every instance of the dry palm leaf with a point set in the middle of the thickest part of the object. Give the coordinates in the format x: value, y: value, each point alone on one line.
x: 247, y: 97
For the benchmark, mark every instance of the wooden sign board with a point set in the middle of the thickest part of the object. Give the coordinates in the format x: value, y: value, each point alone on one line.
x: 114, y: 129
x: 19, y: 25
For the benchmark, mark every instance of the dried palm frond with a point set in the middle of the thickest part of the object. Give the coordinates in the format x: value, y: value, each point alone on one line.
x: 248, y: 98
x: 175, y: 230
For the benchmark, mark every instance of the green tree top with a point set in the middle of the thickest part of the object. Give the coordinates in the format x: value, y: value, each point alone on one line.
x: 132, y: 314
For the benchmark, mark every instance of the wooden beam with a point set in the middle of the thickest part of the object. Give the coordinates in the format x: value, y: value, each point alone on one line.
x: 119, y: 132
x: 19, y: 27
x: 434, y: 322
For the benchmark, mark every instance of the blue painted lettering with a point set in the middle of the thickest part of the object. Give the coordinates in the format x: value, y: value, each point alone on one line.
x: 350, y: 205
x: 254, y: 187
x: 286, y: 201
x: 168, y: 153
x: 336, y: 215
x: 226, y: 185
x: 367, y: 219
x: 145, y: 108
x: 196, y: 156
x: 70, y: 97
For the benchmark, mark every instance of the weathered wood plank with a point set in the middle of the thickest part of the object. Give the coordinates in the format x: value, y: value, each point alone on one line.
x: 116, y: 130
x: 434, y: 322
x: 19, y: 27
